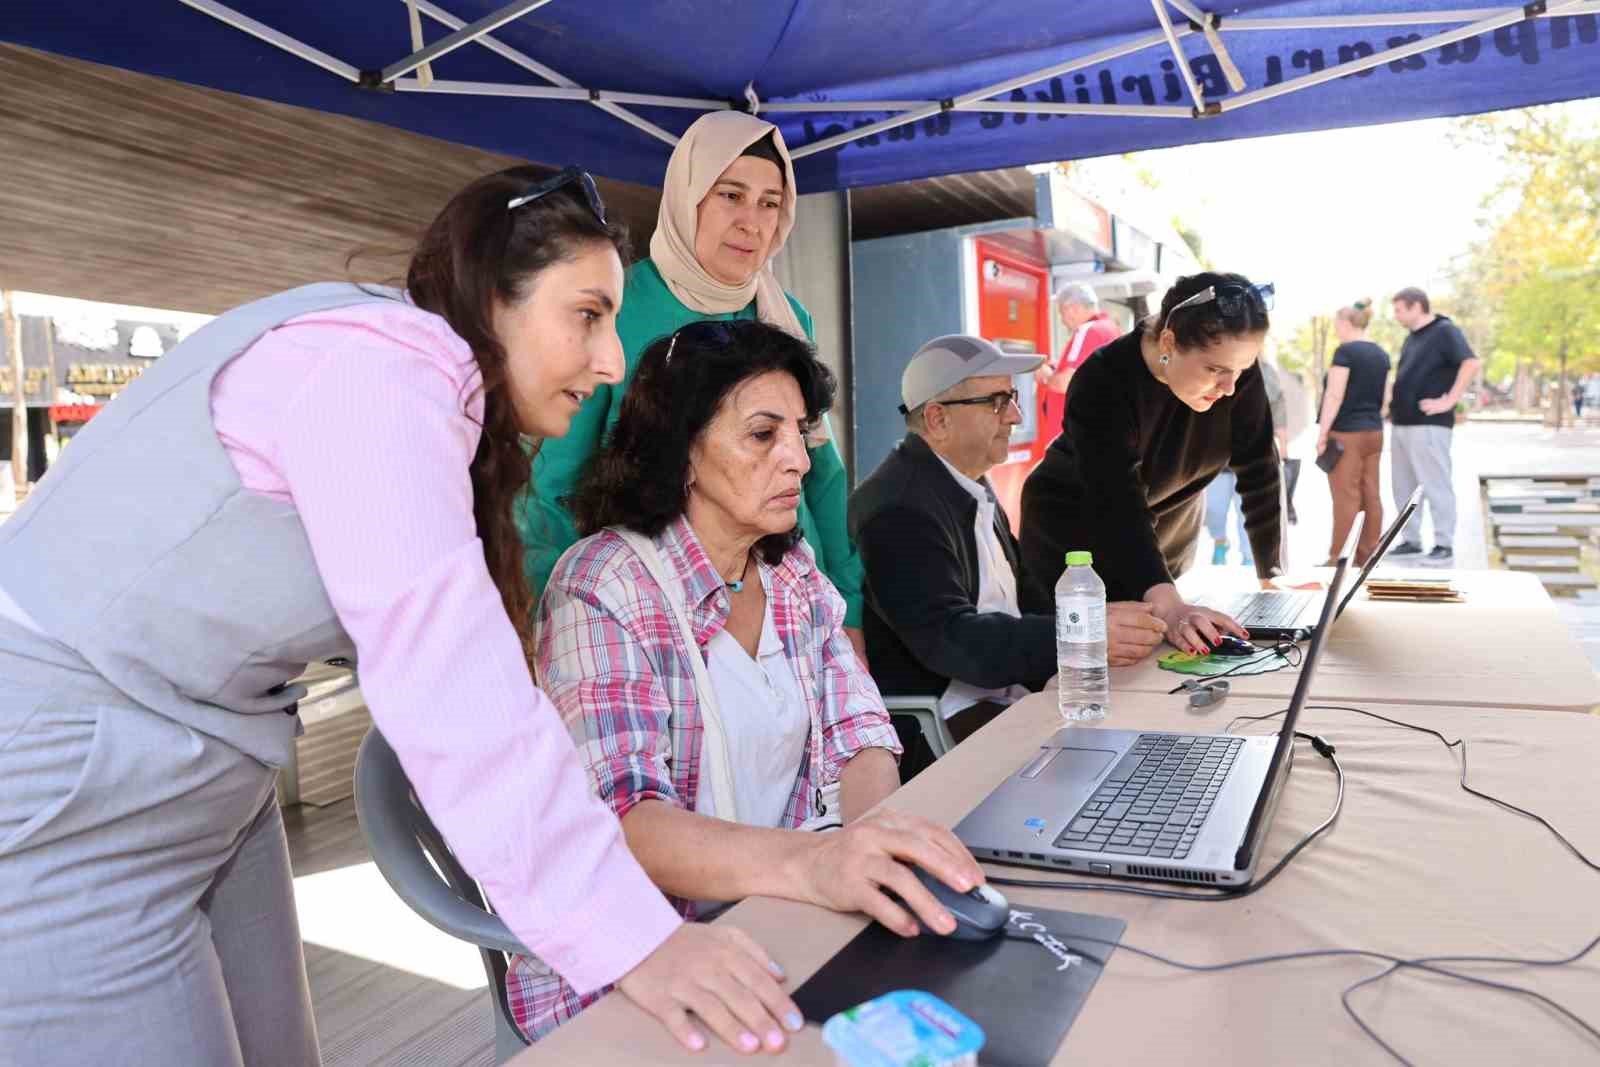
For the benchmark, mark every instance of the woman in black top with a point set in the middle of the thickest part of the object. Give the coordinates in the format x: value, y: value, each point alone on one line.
x: 1354, y: 398
x: 1152, y: 417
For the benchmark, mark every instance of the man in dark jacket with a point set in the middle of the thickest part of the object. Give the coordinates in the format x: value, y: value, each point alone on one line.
x: 942, y: 567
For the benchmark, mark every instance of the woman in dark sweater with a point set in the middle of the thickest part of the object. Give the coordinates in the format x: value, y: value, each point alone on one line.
x: 1151, y: 419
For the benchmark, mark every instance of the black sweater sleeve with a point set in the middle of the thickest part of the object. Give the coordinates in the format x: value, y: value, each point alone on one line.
x: 1256, y: 463
x: 1103, y: 423
x: 916, y: 588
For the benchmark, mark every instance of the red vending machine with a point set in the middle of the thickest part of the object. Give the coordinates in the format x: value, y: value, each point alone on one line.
x: 1012, y: 291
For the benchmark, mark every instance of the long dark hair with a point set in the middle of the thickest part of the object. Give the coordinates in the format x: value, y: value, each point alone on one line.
x: 477, y: 252
x: 638, y: 480
x: 1203, y: 325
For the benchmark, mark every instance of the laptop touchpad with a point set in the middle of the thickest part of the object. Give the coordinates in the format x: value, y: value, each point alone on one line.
x: 1080, y: 766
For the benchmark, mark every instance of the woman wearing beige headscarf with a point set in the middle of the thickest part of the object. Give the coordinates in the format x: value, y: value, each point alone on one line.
x: 727, y: 206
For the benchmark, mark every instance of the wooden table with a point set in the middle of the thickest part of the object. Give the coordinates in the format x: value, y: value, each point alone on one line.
x: 1505, y: 646
x: 1413, y: 867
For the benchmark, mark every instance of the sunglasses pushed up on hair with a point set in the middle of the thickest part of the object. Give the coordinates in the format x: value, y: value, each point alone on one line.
x: 1232, y: 299
x: 568, y: 176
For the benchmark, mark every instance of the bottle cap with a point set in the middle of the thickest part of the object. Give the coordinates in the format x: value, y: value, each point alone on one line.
x: 1080, y: 559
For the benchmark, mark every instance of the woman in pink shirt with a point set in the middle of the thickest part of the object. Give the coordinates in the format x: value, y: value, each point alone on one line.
x: 392, y: 429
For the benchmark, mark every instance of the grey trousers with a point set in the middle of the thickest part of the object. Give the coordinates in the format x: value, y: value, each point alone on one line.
x: 1420, y: 455
x: 148, y: 908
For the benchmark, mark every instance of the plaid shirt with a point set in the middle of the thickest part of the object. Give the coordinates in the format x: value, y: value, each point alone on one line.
x: 610, y: 655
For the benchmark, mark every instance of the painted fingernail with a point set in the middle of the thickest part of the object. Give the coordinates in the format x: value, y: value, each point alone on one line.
x: 793, y: 1020
x: 697, y: 1042
x: 777, y: 969
x: 748, y: 1042
x: 775, y: 1039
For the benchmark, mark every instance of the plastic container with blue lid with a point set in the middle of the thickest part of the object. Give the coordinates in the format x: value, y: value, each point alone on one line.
x: 906, y: 1028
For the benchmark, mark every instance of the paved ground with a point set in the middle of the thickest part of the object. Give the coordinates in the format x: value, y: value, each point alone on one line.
x: 1480, y: 448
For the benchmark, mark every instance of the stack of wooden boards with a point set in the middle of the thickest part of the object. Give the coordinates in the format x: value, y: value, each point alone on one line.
x: 1541, y: 524
x: 1428, y: 590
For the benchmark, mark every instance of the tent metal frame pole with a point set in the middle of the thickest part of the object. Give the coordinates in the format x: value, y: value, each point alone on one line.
x: 555, y: 77
x: 1207, y: 23
x: 1375, y: 21
x: 414, y: 24
x: 966, y: 100
x: 848, y: 105
x: 465, y: 35
x: 978, y: 100
x: 1142, y: 111
x: 1504, y: 17
x: 262, y: 32
x: 554, y: 92
x: 1160, y: 8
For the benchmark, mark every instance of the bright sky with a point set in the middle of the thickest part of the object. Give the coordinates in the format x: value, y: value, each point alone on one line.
x: 1335, y: 216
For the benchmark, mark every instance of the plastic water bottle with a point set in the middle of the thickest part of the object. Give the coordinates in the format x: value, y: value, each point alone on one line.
x: 1083, y: 692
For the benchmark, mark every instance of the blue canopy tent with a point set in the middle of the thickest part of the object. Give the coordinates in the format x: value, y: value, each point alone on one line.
x: 866, y: 92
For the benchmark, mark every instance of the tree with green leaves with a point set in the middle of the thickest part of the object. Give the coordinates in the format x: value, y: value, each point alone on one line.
x: 1530, y: 288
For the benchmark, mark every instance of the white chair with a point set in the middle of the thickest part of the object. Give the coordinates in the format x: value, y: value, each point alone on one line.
x: 925, y: 710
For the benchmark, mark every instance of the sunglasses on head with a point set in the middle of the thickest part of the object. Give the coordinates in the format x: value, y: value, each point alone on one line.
x: 1232, y: 299
x: 568, y: 176
x: 712, y: 330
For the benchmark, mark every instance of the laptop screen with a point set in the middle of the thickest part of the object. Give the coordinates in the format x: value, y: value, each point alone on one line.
x: 1383, y: 546
x: 1302, y: 692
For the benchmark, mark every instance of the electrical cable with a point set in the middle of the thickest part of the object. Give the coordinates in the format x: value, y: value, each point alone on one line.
x: 1287, y: 651
x: 1396, y: 964
x: 1429, y: 964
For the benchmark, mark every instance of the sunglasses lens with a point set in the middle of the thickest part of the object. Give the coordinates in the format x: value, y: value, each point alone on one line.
x: 591, y: 194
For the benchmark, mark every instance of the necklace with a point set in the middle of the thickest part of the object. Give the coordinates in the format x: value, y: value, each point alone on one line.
x: 737, y: 585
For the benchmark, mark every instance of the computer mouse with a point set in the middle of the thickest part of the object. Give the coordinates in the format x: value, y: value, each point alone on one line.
x: 980, y: 914
x: 1228, y: 646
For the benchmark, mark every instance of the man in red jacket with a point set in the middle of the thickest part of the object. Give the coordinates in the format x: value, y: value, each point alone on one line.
x: 1080, y: 312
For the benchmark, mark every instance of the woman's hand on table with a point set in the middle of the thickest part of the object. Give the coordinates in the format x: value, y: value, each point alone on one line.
x: 1196, y: 629
x: 848, y: 869
x: 721, y: 975
x: 1133, y: 631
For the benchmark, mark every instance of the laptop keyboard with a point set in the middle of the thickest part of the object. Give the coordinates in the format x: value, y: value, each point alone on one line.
x: 1270, y: 609
x: 1156, y: 799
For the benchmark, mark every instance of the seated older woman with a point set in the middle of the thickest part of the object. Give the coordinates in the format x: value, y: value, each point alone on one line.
x: 699, y: 658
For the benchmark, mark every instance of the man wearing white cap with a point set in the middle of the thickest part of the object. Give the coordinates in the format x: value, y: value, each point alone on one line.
x: 942, y: 566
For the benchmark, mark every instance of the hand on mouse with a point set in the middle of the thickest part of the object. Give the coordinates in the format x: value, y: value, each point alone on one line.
x: 1196, y: 629
x: 848, y: 869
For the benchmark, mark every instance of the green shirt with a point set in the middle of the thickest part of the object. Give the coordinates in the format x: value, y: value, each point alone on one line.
x: 649, y: 311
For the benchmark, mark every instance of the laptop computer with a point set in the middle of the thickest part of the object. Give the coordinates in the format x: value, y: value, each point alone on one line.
x: 1170, y: 807
x: 1286, y: 615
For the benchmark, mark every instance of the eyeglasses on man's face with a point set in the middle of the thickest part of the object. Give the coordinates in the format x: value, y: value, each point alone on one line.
x: 997, y: 402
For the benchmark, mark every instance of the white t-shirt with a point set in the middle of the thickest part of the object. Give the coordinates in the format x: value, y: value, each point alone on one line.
x: 764, y: 719
x: 997, y: 591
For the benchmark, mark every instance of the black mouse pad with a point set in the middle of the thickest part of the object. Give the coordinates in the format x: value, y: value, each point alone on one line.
x: 1025, y: 988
